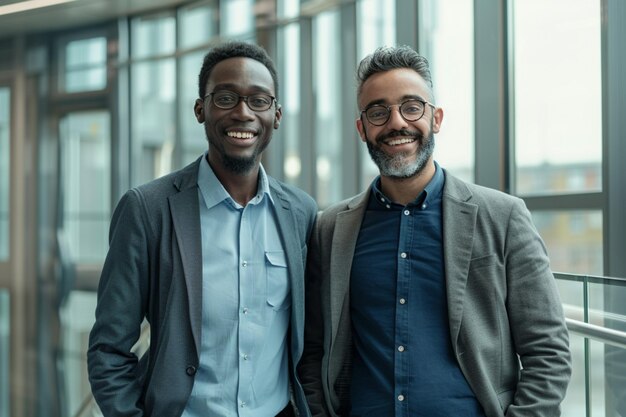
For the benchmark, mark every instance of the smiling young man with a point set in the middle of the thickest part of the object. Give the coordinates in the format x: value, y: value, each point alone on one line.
x: 213, y: 257
x: 427, y: 296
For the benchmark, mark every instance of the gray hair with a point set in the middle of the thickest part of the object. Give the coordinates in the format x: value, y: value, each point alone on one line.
x: 388, y: 58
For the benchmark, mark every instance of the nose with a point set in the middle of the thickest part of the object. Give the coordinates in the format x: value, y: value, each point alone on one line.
x: 241, y: 111
x: 396, y: 121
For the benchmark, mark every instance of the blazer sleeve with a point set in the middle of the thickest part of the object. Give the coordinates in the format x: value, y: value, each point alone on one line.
x: 310, y: 366
x: 113, y: 369
x: 536, y: 319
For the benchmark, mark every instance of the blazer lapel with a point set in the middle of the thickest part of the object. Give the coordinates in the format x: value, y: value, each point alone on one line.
x: 459, y: 221
x: 288, y: 227
x: 185, y: 210
x: 346, y: 233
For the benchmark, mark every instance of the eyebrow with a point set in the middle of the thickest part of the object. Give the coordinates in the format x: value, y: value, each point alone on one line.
x: 402, y: 99
x: 232, y: 86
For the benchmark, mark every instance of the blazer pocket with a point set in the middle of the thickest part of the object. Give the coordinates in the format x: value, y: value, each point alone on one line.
x: 506, y: 398
x: 277, y: 280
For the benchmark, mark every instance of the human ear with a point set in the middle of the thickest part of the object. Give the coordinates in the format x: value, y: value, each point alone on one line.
x: 198, y: 110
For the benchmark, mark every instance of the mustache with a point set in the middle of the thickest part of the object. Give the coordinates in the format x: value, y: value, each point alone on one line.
x: 402, y: 132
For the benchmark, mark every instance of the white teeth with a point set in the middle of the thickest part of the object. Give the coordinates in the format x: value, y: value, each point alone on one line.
x: 240, y: 135
x: 400, y: 141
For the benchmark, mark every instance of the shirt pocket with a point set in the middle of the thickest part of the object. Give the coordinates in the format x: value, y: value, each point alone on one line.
x: 277, y: 280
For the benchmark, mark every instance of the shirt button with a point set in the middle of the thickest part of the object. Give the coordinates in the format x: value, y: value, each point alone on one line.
x: 244, y: 264
x: 387, y: 205
x: 402, y: 301
x: 245, y: 357
x: 400, y: 348
x: 407, y: 212
x: 243, y: 404
x: 382, y: 199
x: 400, y: 397
x: 191, y: 370
x: 424, y: 206
x: 403, y: 255
x: 245, y: 310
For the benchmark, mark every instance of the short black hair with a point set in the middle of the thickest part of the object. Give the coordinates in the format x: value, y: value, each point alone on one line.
x: 387, y: 58
x: 234, y: 49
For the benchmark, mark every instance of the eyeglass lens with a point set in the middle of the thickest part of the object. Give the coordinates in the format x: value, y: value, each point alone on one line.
x: 411, y: 110
x: 228, y: 100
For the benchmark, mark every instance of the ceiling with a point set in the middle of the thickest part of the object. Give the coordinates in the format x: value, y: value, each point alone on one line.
x: 77, y: 13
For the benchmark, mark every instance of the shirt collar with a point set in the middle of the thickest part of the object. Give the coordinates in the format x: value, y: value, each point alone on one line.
x: 433, y: 189
x: 213, y: 192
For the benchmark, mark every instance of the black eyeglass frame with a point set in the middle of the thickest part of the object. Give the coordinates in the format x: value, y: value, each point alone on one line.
x: 239, y: 98
x: 388, y: 108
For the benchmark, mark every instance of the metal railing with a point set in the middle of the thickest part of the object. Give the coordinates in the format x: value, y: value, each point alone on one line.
x: 594, y: 322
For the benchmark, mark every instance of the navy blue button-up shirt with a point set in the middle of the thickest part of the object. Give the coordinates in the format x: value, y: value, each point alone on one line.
x: 404, y: 364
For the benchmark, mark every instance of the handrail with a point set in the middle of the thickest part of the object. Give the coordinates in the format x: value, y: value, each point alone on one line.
x: 599, y: 333
x: 593, y: 279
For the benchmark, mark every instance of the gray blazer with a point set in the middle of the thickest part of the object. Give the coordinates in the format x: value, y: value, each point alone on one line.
x: 154, y: 271
x: 503, y: 305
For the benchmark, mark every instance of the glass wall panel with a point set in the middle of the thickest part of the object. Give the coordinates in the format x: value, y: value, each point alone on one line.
x: 608, y: 309
x: 236, y: 18
x: 85, y: 65
x: 5, y: 170
x: 194, y: 141
x: 86, y: 179
x: 197, y: 24
x: 153, y: 35
x: 5, y: 343
x: 573, y: 239
x: 557, y: 149
x: 447, y: 41
x: 289, y: 73
x: 153, y: 129
x: 574, y: 403
x: 77, y: 318
x: 376, y: 26
x: 327, y: 59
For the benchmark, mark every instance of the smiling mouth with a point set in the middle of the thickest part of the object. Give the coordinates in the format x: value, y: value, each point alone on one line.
x: 240, y: 135
x: 399, y: 141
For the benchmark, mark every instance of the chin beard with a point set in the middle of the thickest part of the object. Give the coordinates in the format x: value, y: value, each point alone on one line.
x: 238, y: 165
x: 396, y: 166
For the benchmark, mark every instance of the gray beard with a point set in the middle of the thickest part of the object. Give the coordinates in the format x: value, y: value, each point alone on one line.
x: 395, y: 166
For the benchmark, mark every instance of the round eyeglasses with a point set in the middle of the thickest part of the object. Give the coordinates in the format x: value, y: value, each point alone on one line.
x: 411, y: 110
x: 228, y: 100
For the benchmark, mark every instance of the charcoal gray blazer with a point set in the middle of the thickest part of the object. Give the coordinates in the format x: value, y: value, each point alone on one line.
x: 503, y: 306
x: 153, y: 271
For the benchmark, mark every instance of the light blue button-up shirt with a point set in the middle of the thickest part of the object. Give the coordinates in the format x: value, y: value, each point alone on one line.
x: 246, y: 304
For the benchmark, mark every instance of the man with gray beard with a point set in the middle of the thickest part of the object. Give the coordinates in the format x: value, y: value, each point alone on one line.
x: 427, y: 296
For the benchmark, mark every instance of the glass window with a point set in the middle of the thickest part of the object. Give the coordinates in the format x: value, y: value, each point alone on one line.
x: 289, y: 71
x: 288, y: 8
x: 447, y: 34
x: 5, y: 170
x: 5, y: 343
x: 85, y: 65
x: 557, y: 150
x: 376, y: 26
x: 153, y: 128
x: 153, y: 35
x: 573, y: 239
x: 194, y: 142
x: 86, y: 178
x: 236, y: 18
x: 198, y: 24
x: 326, y: 31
